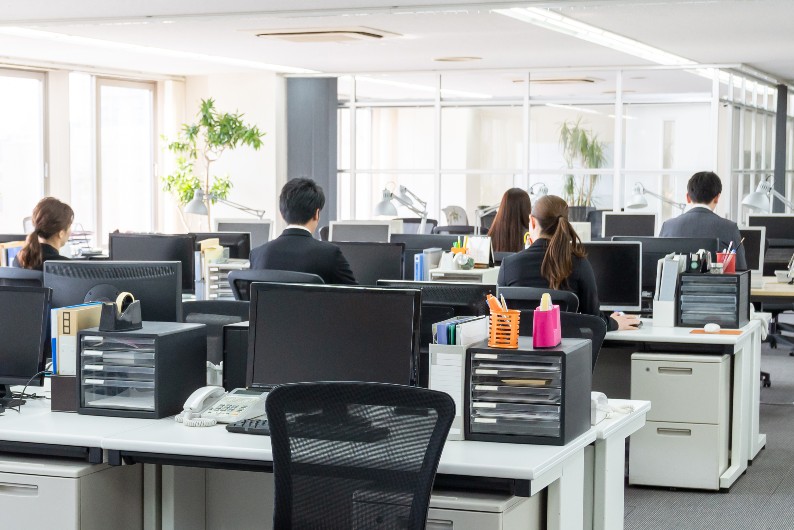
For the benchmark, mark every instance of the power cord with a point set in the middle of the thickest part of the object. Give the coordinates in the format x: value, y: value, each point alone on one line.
x: 193, y: 419
x: 22, y: 394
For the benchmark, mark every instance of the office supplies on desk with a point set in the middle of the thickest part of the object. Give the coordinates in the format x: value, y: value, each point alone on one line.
x: 258, y: 426
x: 722, y: 299
x: 503, y: 325
x: 211, y: 404
x: 123, y: 315
x: 66, y: 322
x: 546, y: 327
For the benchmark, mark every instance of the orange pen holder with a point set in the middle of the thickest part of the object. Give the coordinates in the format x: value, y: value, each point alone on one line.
x: 503, y: 329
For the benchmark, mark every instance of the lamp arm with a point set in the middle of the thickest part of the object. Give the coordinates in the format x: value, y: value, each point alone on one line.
x: 413, y: 196
x: 246, y: 209
x: 479, y: 213
x: 782, y: 198
x: 421, y: 212
x: 679, y: 205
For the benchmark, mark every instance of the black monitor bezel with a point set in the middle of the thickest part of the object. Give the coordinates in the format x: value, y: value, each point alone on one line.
x: 373, y: 245
x: 221, y: 236
x: 188, y: 268
x: 620, y: 307
x: 43, y: 335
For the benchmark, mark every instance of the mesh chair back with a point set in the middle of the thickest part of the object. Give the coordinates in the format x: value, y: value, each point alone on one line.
x: 215, y: 314
x: 17, y: 277
x: 241, y: 280
x: 454, y: 230
x: 355, y: 455
x: 529, y: 298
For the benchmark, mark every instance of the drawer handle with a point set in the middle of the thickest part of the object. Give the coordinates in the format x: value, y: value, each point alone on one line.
x: 18, y: 490
x: 673, y: 432
x: 671, y: 370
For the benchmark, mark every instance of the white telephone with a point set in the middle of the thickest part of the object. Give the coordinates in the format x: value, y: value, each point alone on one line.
x: 211, y: 404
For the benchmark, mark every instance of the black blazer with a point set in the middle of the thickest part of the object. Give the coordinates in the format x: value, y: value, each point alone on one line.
x: 702, y: 222
x: 523, y: 270
x: 296, y: 250
x: 49, y: 253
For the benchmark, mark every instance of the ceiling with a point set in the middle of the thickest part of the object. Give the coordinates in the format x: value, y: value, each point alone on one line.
x: 198, y: 37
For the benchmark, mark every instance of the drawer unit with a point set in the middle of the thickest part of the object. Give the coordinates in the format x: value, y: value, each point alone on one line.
x: 472, y: 510
x: 528, y: 395
x: 684, y: 443
x: 216, y: 279
x: 722, y: 299
x: 146, y: 373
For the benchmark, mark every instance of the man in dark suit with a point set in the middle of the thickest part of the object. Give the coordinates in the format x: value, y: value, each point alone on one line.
x: 296, y: 249
x: 702, y: 193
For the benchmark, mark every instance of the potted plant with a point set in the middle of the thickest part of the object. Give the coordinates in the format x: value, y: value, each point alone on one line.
x: 580, y: 147
x: 204, y: 142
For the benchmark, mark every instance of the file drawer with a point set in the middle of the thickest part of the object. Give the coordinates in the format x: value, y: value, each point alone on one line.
x: 679, y: 455
x: 682, y: 388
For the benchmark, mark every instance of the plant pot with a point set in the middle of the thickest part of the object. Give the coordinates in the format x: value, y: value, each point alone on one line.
x: 578, y: 214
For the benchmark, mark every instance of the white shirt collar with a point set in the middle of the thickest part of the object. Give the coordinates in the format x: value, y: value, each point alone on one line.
x: 298, y: 226
x: 693, y: 206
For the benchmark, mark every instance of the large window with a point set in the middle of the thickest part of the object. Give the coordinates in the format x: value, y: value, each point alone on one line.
x: 22, y: 165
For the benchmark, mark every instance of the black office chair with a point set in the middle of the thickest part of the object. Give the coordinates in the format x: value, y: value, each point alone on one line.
x: 499, y: 256
x: 529, y: 298
x: 242, y: 279
x: 214, y: 314
x: 324, y: 231
x: 411, y: 225
x: 18, y: 277
x: 454, y: 230
x: 574, y: 326
x: 355, y: 455
x: 595, y: 218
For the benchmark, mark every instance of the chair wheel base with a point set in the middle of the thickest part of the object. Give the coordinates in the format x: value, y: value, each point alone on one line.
x: 766, y: 379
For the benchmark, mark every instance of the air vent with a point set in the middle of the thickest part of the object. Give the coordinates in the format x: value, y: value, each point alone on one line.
x: 560, y: 81
x: 326, y: 34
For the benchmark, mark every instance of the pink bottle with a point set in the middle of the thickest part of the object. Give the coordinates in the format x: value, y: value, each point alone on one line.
x: 546, y: 328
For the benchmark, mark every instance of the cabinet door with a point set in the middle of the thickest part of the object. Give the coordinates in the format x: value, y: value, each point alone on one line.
x: 25, y: 501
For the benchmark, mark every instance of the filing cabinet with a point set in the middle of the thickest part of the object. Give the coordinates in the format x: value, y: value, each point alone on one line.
x: 684, y: 442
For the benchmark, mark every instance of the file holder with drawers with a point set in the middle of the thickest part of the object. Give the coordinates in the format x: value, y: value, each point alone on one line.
x: 722, y: 299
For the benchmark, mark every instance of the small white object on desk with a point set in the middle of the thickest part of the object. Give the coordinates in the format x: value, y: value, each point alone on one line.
x: 711, y: 328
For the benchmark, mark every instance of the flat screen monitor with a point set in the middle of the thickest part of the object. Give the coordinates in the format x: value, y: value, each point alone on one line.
x: 628, y: 224
x: 304, y: 333
x: 779, y: 226
x: 617, y: 266
x: 238, y: 243
x: 158, y: 247
x: 416, y: 243
x: 24, y: 313
x: 364, y: 231
x: 258, y: 228
x: 157, y: 284
x: 655, y: 248
x: 9, y: 238
x: 754, y: 243
x: 371, y: 262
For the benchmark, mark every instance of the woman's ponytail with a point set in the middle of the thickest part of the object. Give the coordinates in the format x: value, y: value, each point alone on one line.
x: 564, y: 243
x: 31, y: 256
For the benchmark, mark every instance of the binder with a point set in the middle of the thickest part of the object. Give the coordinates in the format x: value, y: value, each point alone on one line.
x: 67, y: 321
x: 419, y: 266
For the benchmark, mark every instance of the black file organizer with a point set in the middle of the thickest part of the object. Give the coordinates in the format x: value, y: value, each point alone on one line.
x: 528, y: 395
x: 146, y: 373
x: 722, y: 299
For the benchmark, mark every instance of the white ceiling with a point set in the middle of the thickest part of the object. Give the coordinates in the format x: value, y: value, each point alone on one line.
x: 754, y: 32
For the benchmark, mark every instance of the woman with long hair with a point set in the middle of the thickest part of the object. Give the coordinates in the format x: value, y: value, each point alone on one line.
x: 556, y: 260
x: 52, y: 226
x: 511, y: 221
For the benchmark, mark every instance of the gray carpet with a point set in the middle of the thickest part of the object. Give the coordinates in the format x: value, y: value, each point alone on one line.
x: 763, y: 499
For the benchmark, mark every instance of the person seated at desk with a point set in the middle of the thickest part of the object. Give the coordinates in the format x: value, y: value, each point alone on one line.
x: 511, y: 221
x: 296, y: 249
x: 52, y: 227
x: 556, y: 260
x: 702, y: 194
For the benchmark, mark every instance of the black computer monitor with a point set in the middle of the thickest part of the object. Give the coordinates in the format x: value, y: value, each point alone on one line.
x: 158, y: 247
x: 416, y: 243
x: 332, y: 333
x: 655, y: 248
x: 238, y: 243
x: 628, y: 224
x: 779, y: 228
x: 617, y: 267
x: 371, y: 262
x: 8, y: 238
x: 158, y: 285
x: 24, y: 313
x: 754, y: 243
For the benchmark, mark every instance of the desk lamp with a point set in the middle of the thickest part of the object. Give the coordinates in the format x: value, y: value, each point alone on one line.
x: 638, y: 199
x: 760, y: 198
x: 536, y: 191
x: 198, y: 205
x: 408, y: 199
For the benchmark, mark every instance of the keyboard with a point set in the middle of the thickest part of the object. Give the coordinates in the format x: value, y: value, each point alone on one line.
x: 255, y: 426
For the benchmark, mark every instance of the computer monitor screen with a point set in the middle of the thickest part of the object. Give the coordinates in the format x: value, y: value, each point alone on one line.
x: 617, y: 268
x: 332, y: 333
x: 258, y: 228
x: 628, y: 224
x: 8, y: 238
x: 24, y: 312
x: 238, y: 243
x: 655, y: 248
x: 365, y: 231
x: 778, y: 226
x: 158, y: 247
x: 158, y: 285
x: 371, y: 262
x: 754, y: 243
x: 416, y: 243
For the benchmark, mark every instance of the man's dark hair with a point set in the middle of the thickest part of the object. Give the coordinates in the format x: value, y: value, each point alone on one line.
x: 299, y: 199
x: 703, y: 187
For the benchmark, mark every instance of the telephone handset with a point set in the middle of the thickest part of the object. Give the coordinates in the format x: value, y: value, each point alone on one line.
x: 210, y: 405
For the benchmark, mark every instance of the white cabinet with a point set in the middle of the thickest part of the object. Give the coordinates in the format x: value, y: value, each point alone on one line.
x: 684, y: 442
x: 47, y: 493
x: 471, y: 510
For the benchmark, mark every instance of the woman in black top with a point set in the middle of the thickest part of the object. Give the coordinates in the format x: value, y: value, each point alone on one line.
x: 556, y: 260
x: 52, y: 226
x: 511, y: 221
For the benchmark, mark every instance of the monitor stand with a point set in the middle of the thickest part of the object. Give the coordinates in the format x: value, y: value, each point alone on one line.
x: 6, y: 400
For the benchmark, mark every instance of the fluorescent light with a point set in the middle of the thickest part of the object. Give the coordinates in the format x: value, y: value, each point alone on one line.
x: 151, y: 50
x: 423, y: 88
x: 552, y: 20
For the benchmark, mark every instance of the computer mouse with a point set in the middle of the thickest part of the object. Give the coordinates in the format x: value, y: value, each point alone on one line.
x: 711, y: 328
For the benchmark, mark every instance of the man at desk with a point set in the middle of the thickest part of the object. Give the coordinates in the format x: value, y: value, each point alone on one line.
x: 702, y: 194
x: 296, y: 249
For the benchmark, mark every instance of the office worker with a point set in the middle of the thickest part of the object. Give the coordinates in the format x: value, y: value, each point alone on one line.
x: 52, y: 226
x: 702, y: 194
x: 556, y: 260
x: 296, y: 249
x: 511, y: 221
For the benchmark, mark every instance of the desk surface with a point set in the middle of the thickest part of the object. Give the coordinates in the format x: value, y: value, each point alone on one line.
x: 649, y: 333
x: 773, y: 288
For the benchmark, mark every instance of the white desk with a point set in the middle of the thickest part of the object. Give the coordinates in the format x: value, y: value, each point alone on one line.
x: 745, y: 349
